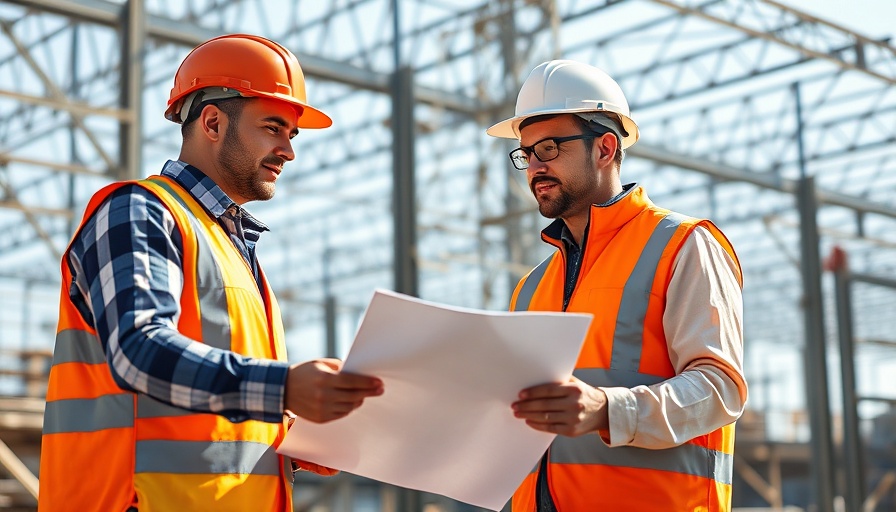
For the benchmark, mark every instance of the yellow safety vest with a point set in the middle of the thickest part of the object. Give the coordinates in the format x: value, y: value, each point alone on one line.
x: 106, y: 450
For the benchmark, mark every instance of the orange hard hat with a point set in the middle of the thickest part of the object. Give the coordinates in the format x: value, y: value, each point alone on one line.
x: 251, y: 65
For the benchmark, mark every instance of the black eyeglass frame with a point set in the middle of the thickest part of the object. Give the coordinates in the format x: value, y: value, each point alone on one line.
x: 527, y: 151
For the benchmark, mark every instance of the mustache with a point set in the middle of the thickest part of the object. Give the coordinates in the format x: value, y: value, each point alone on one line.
x: 538, y: 179
x: 274, y: 160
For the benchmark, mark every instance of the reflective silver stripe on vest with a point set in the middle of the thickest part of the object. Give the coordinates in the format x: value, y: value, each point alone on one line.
x: 89, y: 414
x: 77, y: 346
x: 528, y: 289
x: 216, y: 458
x: 629, y: 333
x: 214, y: 315
x: 688, y: 459
x: 151, y: 408
x: 610, y: 378
x: 212, y: 299
x: 588, y: 449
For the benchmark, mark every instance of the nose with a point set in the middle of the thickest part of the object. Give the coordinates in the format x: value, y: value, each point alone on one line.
x: 285, y: 151
x: 536, y: 166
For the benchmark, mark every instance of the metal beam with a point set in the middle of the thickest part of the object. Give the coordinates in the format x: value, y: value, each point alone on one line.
x: 188, y: 34
x: 32, y: 220
x: 816, y: 45
x: 18, y: 470
x: 6, y: 158
x: 873, y: 279
x: 55, y: 91
x: 763, y: 180
x: 73, y: 107
x: 14, y: 204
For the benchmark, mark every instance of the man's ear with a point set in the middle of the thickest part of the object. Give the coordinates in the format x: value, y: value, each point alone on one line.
x: 212, y: 122
x: 607, y: 144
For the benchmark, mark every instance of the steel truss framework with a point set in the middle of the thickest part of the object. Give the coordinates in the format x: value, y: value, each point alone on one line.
x: 736, y: 99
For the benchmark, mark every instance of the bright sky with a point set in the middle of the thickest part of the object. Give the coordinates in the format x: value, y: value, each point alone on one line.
x: 872, y: 18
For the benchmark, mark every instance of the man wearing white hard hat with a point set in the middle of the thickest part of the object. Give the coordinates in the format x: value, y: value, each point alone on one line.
x: 647, y: 421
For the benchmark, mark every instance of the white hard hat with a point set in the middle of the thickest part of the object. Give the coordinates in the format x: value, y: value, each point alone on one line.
x: 568, y: 87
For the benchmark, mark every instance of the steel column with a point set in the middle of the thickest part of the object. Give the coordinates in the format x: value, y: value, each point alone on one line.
x: 816, y: 374
x: 133, y: 36
x: 404, y: 213
x: 815, y: 350
x: 403, y: 185
x: 330, y: 322
x: 853, y: 468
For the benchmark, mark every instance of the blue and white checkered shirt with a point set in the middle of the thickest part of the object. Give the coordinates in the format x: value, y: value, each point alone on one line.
x: 127, y: 281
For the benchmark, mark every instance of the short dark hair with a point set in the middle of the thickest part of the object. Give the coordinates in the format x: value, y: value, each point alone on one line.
x: 232, y: 107
x: 598, y: 129
x: 586, y: 127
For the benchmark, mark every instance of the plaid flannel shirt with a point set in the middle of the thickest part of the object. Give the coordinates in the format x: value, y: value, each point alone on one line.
x: 127, y: 281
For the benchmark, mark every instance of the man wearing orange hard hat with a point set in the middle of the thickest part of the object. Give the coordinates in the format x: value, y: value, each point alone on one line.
x: 170, y: 384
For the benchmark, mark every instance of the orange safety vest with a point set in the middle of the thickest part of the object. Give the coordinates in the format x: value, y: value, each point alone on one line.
x: 623, y: 278
x: 105, y: 449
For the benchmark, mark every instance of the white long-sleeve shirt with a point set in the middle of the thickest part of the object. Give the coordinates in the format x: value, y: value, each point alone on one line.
x: 706, y: 350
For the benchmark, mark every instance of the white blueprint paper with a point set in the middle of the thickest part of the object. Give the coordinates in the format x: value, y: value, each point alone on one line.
x: 444, y: 422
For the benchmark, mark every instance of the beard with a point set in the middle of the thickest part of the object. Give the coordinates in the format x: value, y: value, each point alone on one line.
x: 241, y: 172
x: 576, y: 193
x: 555, y: 207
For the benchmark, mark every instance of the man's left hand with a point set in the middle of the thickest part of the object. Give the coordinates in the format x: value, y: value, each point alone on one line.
x: 570, y: 408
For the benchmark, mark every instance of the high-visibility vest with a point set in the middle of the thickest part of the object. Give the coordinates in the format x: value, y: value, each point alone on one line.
x: 623, y: 279
x: 105, y: 449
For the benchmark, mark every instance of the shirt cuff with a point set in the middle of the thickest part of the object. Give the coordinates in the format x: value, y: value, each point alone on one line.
x: 265, y: 390
x: 622, y: 409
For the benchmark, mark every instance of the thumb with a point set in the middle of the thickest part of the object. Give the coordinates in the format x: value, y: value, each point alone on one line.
x: 332, y: 364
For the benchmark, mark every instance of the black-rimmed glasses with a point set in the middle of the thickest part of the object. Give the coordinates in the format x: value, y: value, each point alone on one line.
x: 545, y: 150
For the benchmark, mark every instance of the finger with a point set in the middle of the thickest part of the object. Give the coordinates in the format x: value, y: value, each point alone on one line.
x: 331, y: 363
x: 353, y: 381
x: 543, y: 417
x: 545, y: 425
x: 551, y: 390
x: 352, y: 398
x: 332, y: 411
x: 541, y: 405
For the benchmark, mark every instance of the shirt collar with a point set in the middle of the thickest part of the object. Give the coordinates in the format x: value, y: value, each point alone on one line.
x: 207, y: 192
x: 567, y: 238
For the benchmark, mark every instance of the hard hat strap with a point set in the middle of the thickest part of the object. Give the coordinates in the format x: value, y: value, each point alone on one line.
x: 604, y: 121
x: 204, y: 96
x: 601, y: 123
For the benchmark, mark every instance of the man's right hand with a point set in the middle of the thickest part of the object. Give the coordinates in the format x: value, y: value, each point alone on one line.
x: 318, y: 391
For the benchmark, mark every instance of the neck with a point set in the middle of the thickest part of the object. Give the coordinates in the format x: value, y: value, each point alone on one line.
x: 576, y: 225
x: 192, y: 157
x: 577, y: 222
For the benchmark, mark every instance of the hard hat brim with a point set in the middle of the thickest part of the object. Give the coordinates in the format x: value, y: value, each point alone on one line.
x: 311, y: 117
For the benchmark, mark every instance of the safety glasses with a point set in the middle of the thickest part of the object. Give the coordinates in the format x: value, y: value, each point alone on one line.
x: 545, y: 150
